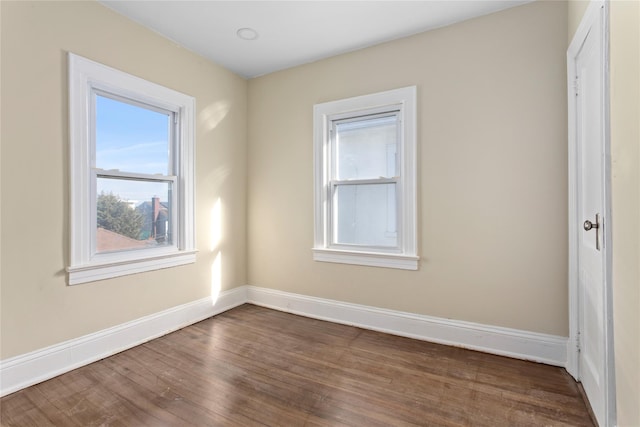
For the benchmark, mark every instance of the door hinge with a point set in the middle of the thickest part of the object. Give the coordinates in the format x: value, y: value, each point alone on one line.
x: 576, y: 86
x: 578, y: 346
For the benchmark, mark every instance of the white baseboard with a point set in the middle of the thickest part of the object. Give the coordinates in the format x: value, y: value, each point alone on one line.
x: 24, y: 370
x: 543, y: 348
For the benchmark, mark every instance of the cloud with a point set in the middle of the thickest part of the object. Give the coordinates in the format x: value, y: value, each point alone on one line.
x: 149, y: 157
x: 133, y: 147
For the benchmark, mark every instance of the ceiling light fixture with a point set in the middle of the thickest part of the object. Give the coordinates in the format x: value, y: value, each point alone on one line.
x: 247, y: 34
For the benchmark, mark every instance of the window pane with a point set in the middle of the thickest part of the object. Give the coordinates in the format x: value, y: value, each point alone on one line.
x: 132, y: 214
x: 366, y: 148
x: 131, y: 138
x: 365, y: 214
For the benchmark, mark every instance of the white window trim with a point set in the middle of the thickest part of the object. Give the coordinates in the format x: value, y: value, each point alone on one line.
x: 85, y: 76
x: 406, y: 258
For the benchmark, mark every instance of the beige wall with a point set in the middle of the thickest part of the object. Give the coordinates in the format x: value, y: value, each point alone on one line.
x: 492, y: 172
x: 625, y: 180
x: 576, y: 9
x: 38, y: 308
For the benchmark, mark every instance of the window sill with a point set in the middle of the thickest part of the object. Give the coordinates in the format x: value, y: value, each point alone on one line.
x: 107, y: 270
x: 371, y: 259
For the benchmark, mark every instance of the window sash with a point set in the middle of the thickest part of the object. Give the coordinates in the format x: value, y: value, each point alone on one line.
x: 332, y: 205
x: 173, y: 133
x: 174, y: 215
x: 125, y: 175
x: 371, y: 114
x: 331, y: 163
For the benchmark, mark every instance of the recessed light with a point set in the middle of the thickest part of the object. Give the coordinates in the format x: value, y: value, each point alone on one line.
x: 247, y: 33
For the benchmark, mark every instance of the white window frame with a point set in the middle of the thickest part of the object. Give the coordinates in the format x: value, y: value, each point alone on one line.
x: 86, y: 80
x: 402, y: 101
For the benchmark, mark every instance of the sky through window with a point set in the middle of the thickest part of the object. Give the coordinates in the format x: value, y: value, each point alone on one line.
x: 130, y: 138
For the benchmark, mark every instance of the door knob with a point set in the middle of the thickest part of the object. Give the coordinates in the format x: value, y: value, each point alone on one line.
x: 588, y: 225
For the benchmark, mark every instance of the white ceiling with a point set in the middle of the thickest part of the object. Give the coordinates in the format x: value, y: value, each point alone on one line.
x: 294, y: 32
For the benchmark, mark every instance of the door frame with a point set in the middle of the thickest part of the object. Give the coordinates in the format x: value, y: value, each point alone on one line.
x: 597, y: 9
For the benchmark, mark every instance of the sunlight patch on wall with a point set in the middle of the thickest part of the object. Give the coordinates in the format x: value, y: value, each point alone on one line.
x: 212, y: 115
x: 216, y: 278
x: 218, y: 176
x: 215, y: 238
x: 216, y: 225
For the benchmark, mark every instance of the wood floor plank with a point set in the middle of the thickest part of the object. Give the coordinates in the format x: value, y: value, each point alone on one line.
x: 252, y: 366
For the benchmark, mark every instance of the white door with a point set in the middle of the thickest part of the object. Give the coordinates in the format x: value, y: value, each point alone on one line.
x: 591, y: 214
x: 590, y: 207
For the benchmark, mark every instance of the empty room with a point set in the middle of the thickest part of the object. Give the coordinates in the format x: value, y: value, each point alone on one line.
x: 323, y: 213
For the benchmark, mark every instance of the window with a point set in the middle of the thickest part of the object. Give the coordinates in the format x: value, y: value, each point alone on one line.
x: 132, y: 174
x: 365, y: 180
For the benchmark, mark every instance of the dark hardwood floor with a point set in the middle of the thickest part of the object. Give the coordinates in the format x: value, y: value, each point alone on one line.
x: 255, y: 366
